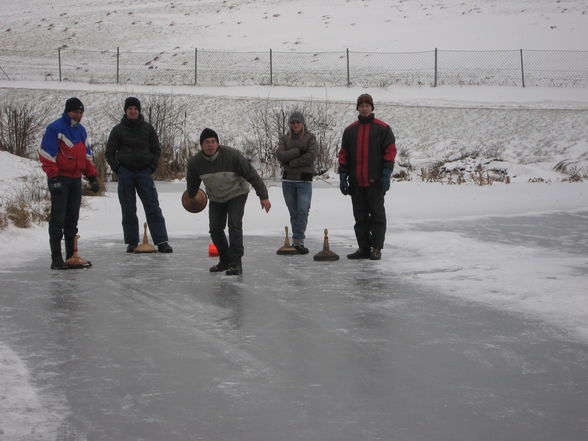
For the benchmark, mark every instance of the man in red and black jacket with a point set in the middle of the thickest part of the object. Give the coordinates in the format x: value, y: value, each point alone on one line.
x: 65, y: 156
x: 366, y: 161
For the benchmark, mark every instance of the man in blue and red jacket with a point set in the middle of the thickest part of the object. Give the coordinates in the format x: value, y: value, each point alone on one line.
x: 366, y: 161
x: 65, y: 156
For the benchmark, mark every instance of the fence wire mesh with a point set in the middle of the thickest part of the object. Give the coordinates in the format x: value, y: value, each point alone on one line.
x: 376, y: 69
x: 556, y: 68
x: 472, y: 68
x: 233, y: 68
x: 309, y: 68
x: 539, y: 68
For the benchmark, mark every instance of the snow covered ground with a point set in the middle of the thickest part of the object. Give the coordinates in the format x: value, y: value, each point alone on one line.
x: 300, y: 25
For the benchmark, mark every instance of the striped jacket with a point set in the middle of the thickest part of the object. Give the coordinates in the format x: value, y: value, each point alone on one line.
x: 64, y: 151
x: 368, y: 146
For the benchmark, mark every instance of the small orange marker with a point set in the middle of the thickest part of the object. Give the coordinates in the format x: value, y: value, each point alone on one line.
x: 212, y: 251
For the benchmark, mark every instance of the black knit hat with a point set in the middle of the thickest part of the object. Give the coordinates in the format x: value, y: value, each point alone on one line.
x: 132, y: 101
x: 364, y: 98
x: 208, y: 133
x: 73, y: 104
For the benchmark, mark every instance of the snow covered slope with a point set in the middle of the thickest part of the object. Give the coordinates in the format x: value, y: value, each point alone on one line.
x: 300, y: 25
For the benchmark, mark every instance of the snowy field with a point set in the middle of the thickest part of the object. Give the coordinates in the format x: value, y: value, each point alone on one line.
x: 295, y: 25
x: 429, y: 239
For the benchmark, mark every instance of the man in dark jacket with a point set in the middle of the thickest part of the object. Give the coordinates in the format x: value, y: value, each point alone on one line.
x: 226, y: 174
x: 133, y: 152
x: 366, y: 161
x: 65, y: 156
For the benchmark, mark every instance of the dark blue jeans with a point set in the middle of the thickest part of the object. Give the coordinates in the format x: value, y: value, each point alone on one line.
x: 65, y: 209
x: 298, y: 195
x: 141, y: 183
x: 232, y: 250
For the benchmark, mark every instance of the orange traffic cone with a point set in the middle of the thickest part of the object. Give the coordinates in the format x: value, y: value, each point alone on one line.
x: 212, y: 250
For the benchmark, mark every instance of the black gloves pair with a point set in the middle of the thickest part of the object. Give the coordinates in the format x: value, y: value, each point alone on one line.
x: 344, y: 181
x: 94, y: 185
x: 56, y: 187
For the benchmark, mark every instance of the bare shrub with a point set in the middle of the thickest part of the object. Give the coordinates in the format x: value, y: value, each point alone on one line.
x: 430, y: 175
x: 402, y: 175
x: 539, y: 181
x: 321, y: 120
x: 572, y: 170
x: 403, y: 159
x: 31, y: 203
x: 269, y: 121
x: 18, y: 213
x: 99, y: 151
x: 481, y: 177
x: 267, y: 125
x: 20, y: 123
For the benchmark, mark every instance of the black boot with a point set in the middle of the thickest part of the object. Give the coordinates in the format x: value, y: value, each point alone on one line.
x: 56, y: 257
x: 221, y: 266
x: 69, y: 246
x: 376, y: 254
x: 361, y: 253
x: 234, y: 269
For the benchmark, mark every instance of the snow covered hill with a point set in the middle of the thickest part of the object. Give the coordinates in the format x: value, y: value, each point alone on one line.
x: 300, y: 25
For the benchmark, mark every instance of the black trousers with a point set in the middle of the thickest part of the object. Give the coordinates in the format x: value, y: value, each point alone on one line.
x: 230, y: 251
x: 65, y: 209
x: 370, y: 216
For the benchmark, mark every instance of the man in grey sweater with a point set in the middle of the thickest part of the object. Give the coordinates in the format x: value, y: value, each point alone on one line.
x: 226, y: 174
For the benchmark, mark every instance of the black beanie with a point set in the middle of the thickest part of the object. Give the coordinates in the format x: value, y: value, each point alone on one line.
x: 365, y: 98
x: 208, y: 133
x: 132, y: 101
x: 73, y: 104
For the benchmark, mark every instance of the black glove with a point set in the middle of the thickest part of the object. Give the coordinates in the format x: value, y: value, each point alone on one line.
x: 386, y: 173
x: 344, y: 183
x: 55, y: 185
x: 94, y: 185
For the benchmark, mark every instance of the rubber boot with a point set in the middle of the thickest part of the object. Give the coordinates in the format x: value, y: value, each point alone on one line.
x: 69, y: 246
x: 57, y: 262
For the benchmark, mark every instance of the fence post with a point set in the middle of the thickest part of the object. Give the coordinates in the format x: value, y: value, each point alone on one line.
x: 195, y: 66
x: 435, y: 85
x: 117, y: 64
x: 271, y: 69
x: 348, y: 79
x: 59, y: 61
x: 522, y: 69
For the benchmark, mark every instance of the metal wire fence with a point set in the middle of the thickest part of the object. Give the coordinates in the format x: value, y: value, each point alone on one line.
x: 539, y: 68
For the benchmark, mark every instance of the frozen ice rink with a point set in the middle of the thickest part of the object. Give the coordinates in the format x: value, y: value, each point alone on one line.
x: 155, y: 347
